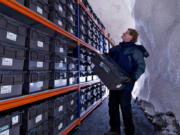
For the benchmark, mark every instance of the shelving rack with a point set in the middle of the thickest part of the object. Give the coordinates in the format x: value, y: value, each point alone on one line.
x: 23, y: 100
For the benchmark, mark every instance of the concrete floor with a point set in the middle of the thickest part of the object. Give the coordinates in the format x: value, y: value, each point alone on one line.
x: 97, y: 122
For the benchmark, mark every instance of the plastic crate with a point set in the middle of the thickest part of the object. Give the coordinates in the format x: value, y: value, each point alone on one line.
x: 38, y: 40
x: 37, y: 61
x: 43, y: 129
x: 59, y: 62
x: 71, y: 29
x: 38, y: 6
x: 58, y: 6
x: 72, y: 102
x: 72, y: 63
x: 35, y: 116
x: 57, y: 106
x: 37, y: 81
x: 10, y: 124
x: 11, y: 58
x: 59, y: 46
x: 11, y: 83
x: 72, y: 77
x: 12, y: 31
x: 59, y: 79
x: 71, y: 117
x: 71, y: 6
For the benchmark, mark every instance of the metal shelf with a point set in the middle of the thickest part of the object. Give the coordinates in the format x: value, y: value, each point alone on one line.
x: 89, y: 14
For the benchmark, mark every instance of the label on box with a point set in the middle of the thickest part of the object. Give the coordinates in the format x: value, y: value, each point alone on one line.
x: 92, y: 65
x: 71, y: 6
x: 60, y: 8
x: 60, y: 65
x: 72, y: 102
x: 7, y: 62
x: 38, y: 118
x: 39, y: 64
x: 60, y: 126
x: 60, y: 108
x: 73, y: 66
x: 15, y: 120
x: 61, y: 50
x: 71, y: 30
x: 60, y: 22
x: 40, y: 84
x: 6, y: 132
x: 71, y: 80
x: 72, y: 117
x: 65, y: 75
x: 39, y: 10
x: 11, y: 36
x: 6, y: 89
x: 40, y: 44
x: 71, y: 18
x: 65, y: 60
x: 3, y: 128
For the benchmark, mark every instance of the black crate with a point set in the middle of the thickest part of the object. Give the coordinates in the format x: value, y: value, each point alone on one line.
x: 58, y: 6
x: 59, y: 79
x: 35, y: 116
x: 38, y: 6
x: 83, y: 37
x: 71, y: 6
x: 37, y: 81
x: 43, y: 129
x: 56, y: 18
x: 71, y: 29
x: 10, y: 124
x: 11, y: 58
x: 71, y: 117
x: 12, y: 31
x: 57, y: 124
x: 59, y: 62
x: 72, y: 63
x: 37, y: 61
x: 11, y: 83
x: 38, y: 40
x: 73, y: 77
x: 72, y: 102
x: 57, y: 106
x: 82, y: 78
x: 59, y: 46
x: 71, y: 18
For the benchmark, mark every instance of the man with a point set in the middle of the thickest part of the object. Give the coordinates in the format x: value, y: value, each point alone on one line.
x: 130, y: 57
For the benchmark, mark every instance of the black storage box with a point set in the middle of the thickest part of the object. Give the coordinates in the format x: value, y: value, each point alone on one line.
x: 12, y: 31
x: 10, y: 124
x: 71, y: 19
x: 73, y: 77
x: 38, y: 6
x: 37, y: 81
x: 59, y: 62
x: 38, y: 40
x: 71, y: 29
x: 35, y: 116
x: 71, y: 6
x: 57, y: 106
x: 71, y: 117
x: 72, y: 104
x: 11, y: 58
x: 43, y: 129
x: 72, y: 63
x: 59, y: 46
x: 38, y: 61
x: 59, y: 79
x: 11, y: 83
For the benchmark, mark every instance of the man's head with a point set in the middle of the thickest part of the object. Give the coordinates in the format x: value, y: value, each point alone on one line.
x: 131, y: 35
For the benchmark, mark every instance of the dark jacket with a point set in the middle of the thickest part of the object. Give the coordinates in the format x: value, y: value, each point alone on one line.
x: 130, y: 57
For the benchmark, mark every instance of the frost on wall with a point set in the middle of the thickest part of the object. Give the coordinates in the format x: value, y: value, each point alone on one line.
x: 158, y: 22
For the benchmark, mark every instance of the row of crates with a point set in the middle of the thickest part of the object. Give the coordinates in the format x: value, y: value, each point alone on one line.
x: 61, y: 12
x: 90, y: 95
x: 49, y: 117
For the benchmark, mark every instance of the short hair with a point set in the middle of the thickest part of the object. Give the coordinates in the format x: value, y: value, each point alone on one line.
x: 134, y: 34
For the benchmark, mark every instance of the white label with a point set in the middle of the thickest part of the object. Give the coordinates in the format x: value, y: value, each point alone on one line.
x: 11, y: 36
x: 71, y: 6
x: 60, y: 65
x: 72, y: 117
x: 72, y: 102
x: 73, y: 66
x: 92, y: 65
x: 65, y: 60
x: 60, y: 126
x: 40, y: 44
x: 61, y: 50
x: 71, y: 80
x: 65, y: 75
x: 60, y: 22
x: 7, y: 62
x: 6, y: 89
x: 39, y: 64
x: 71, y: 30
x: 60, y: 8
x: 40, y: 84
x: 60, y: 108
x: 6, y: 132
x: 71, y: 18
x: 15, y: 120
x: 38, y: 118
x: 39, y: 10
x: 118, y: 86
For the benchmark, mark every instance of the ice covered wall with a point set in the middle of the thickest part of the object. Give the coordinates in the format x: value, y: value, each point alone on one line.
x: 158, y: 22
x: 115, y: 15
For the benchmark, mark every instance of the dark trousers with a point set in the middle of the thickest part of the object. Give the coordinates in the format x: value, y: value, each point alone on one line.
x: 123, y: 99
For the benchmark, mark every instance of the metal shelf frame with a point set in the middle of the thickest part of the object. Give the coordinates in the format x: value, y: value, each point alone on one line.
x: 27, y: 99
